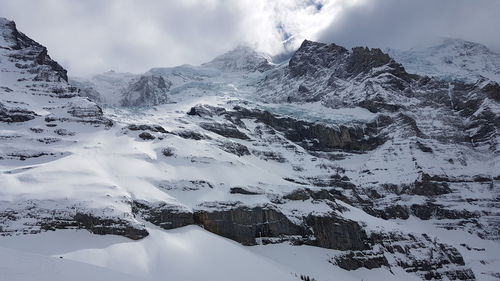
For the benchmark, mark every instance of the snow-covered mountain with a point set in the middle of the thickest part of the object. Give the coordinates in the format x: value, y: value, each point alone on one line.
x: 154, y: 87
x: 451, y: 59
x: 335, y: 165
x: 123, y: 89
x: 241, y: 59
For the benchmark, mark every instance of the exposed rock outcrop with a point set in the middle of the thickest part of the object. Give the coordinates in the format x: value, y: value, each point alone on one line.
x: 244, y: 224
x: 234, y: 148
x: 225, y: 130
x: 95, y: 221
x: 31, y: 56
x: 162, y: 214
x: 315, y: 136
x: 147, y: 90
x: 11, y: 115
x: 336, y: 233
x: 429, y: 259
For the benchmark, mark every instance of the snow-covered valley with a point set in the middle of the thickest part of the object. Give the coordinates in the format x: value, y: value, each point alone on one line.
x: 335, y: 165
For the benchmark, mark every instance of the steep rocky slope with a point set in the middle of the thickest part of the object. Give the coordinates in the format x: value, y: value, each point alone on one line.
x: 388, y: 175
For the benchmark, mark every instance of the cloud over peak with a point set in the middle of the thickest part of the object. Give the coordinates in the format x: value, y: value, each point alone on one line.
x: 130, y: 35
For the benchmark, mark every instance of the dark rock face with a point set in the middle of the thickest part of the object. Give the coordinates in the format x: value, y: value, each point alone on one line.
x: 22, y: 156
x: 96, y: 121
x: 425, y: 211
x: 225, y: 130
x: 323, y: 194
x: 163, y: 215
x: 364, y: 59
x: 192, y: 135
x: 240, y: 190
x: 427, y: 187
x: 390, y: 212
x: 64, y: 132
x: 423, y: 147
x: 431, y: 210
x: 306, y: 193
x: 151, y: 128
x: 332, y: 181
x: 314, y: 136
x: 102, y: 226
x: 335, y: 233
x: 234, y: 148
x: 187, y: 185
x: 312, y: 56
x: 148, y: 90
x: 311, y: 136
x: 14, y: 115
x: 269, y: 155
x: 168, y: 152
x: 16, y: 39
x: 366, y: 259
x: 146, y: 136
x: 328, y: 138
x: 44, y: 59
x: 415, y: 253
x: 245, y: 224
x: 50, y: 219
x: 89, y: 110
x: 298, y: 195
x: 378, y: 105
x: 313, y: 62
x: 206, y: 111
x: 30, y: 51
x: 492, y: 91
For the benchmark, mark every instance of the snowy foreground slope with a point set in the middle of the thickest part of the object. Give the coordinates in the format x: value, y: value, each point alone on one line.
x: 336, y: 165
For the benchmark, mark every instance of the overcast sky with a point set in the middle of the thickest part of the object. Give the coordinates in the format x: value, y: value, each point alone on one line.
x: 93, y: 36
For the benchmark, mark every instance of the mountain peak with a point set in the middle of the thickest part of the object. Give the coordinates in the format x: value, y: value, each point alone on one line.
x: 312, y: 57
x: 7, y: 33
x: 26, y: 50
x: 11, y: 38
x: 463, y: 46
x: 241, y: 59
x: 4, y: 22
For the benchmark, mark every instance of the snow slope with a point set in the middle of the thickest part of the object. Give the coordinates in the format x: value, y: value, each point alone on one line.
x: 188, y: 253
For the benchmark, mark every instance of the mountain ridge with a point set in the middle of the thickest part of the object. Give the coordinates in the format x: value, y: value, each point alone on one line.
x: 452, y: 59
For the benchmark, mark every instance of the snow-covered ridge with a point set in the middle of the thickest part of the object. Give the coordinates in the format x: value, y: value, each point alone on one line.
x: 241, y: 59
x: 451, y: 59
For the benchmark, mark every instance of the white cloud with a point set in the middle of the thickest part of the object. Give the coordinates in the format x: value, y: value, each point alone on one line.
x: 91, y: 36
x: 409, y: 23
